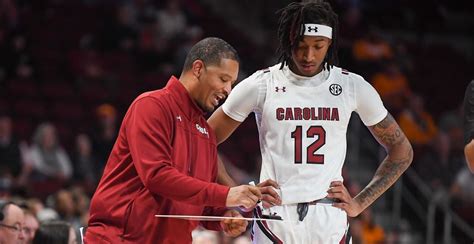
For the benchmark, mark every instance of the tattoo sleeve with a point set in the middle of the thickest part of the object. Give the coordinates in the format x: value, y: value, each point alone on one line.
x: 400, y: 155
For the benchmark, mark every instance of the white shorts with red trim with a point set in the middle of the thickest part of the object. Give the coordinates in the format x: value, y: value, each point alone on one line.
x: 323, y: 224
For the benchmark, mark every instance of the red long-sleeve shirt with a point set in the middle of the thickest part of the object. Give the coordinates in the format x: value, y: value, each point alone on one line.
x: 163, y: 162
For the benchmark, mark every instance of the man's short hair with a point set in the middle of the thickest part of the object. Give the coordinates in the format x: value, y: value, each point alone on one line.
x: 211, y: 51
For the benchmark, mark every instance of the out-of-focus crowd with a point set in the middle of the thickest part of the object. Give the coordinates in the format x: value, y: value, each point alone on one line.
x: 69, y: 69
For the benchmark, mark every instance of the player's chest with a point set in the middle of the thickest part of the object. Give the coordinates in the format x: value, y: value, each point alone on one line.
x: 306, y: 106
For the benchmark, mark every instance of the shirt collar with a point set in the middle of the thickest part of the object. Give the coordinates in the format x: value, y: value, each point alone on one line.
x: 300, y: 80
x: 183, y: 99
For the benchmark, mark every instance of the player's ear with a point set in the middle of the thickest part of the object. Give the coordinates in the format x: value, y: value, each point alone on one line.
x: 197, y: 68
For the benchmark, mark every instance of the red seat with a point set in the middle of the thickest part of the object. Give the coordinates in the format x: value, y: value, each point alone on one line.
x: 93, y: 94
x: 66, y: 132
x: 57, y: 90
x: 23, y: 128
x: 22, y: 88
x: 118, y: 61
x: 67, y: 112
x: 33, y: 109
x: 4, y: 106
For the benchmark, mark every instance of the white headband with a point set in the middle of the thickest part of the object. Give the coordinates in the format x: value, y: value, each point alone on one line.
x: 316, y: 30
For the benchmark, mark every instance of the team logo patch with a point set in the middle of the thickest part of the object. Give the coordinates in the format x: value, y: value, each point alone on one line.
x: 335, y: 89
x: 277, y: 89
x: 203, y: 130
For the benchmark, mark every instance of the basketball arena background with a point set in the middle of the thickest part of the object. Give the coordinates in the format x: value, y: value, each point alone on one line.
x: 70, y: 68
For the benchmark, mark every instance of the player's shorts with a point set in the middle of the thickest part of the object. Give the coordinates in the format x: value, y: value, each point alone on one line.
x: 323, y: 224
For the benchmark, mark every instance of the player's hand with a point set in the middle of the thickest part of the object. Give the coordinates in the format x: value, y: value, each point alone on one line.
x: 344, y: 201
x: 233, y: 227
x: 244, y: 196
x: 270, y: 197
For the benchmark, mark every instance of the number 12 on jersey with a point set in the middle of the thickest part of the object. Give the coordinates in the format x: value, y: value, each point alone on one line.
x: 311, y: 156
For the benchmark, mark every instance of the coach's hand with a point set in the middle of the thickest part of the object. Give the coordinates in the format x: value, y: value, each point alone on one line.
x: 233, y: 227
x: 270, y: 197
x: 344, y: 201
x: 244, y: 196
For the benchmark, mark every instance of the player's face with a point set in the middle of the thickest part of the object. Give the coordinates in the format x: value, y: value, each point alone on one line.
x: 216, y: 83
x: 309, y: 54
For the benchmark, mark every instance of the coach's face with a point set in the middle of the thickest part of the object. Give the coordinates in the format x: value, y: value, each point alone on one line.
x: 215, y: 83
x: 309, y: 54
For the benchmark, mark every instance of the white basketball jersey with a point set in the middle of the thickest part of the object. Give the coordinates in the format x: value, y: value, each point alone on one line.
x: 302, y: 129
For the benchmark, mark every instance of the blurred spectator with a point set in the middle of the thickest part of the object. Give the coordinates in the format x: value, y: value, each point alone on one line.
x: 393, y: 87
x: 171, y: 20
x: 12, y: 156
x: 192, y: 36
x: 355, y: 230
x: 3, y: 61
x: 153, y: 49
x: 81, y: 207
x: 105, y: 135
x: 85, y: 164
x: 451, y: 123
x: 372, y: 47
x: 157, y: 37
x: 11, y: 223
x: 417, y: 124
x: 121, y: 34
x: 51, y: 164
x: 64, y: 205
x: 372, y: 233
x: 403, y: 57
x: 370, y: 51
x: 47, y: 214
x: 144, y: 11
x: 90, y: 68
x: 402, y: 234
x: 93, y: 72
x: 451, y: 119
x: 8, y: 13
x: 34, y: 205
x: 463, y: 194
x: 20, y: 62
x: 438, y: 165
x: 203, y: 236
x: 242, y: 240
x: 30, y: 227
x: 86, y: 64
x: 352, y: 26
x: 468, y: 121
x: 55, y: 232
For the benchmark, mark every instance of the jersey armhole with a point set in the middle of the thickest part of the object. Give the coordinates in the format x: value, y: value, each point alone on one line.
x: 261, y: 95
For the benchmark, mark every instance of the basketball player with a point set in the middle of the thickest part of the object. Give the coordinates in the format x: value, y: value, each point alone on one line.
x: 302, y: 107
x: 469, y: 125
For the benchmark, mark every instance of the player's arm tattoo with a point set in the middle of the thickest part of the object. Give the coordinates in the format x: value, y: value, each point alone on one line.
x: 400, y: 155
